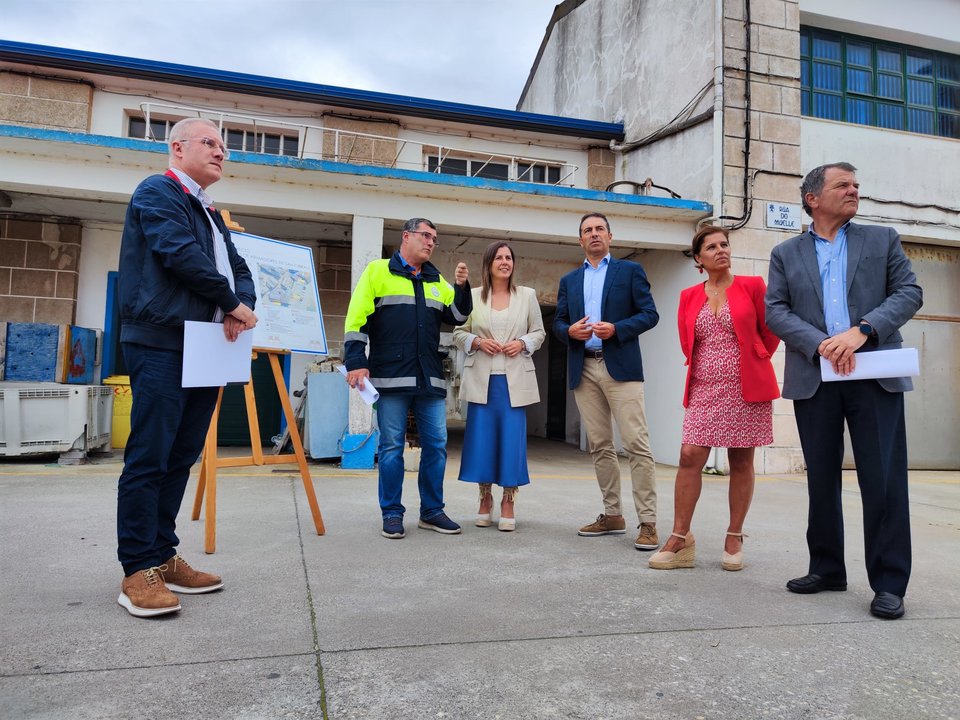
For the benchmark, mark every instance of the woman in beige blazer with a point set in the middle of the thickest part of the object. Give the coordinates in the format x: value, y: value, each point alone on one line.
x: 499, y: 339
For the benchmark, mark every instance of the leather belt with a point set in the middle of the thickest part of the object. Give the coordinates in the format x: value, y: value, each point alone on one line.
x: 595, y: 354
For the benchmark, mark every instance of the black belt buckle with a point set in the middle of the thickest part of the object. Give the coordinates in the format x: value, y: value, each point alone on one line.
x: 595, y: 354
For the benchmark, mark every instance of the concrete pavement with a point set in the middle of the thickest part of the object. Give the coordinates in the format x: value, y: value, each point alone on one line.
x: 539, y: 623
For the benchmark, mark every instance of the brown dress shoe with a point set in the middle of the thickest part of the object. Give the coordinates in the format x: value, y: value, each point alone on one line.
x: 648, y: 538
x: 144, y: 594
x: 181, y: 578
x: 604, y: 525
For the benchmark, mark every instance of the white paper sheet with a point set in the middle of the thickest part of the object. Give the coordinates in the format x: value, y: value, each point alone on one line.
x: 210, y: 360
x: 901, y: 362
x: 369, y: 393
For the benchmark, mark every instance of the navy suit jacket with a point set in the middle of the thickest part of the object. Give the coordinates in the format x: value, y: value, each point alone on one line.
x: 626, y: 302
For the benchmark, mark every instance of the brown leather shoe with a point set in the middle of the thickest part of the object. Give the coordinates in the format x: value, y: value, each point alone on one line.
x: 648, y: 538
x: 144, y: 594
x: 181, y: 578
x: 604, y: 525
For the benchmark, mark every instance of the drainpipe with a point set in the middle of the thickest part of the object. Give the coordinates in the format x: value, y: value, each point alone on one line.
x: 718, y: 108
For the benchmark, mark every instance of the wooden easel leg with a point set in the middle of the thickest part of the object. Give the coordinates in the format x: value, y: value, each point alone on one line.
x: 210, y: 453
x: 207, y: 460
x: 297, y: 445
x: 256, y: 444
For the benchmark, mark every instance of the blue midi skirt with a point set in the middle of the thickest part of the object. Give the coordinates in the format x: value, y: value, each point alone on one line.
x: 495, y: 440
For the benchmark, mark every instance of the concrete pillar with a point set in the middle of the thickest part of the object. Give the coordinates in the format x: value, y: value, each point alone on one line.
x: 367, y: 235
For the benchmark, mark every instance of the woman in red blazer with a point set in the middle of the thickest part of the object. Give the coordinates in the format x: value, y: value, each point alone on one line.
x: 728, y: 395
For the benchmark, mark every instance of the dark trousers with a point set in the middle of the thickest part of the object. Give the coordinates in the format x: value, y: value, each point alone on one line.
x: 878, y: 436
x: 168, y: 425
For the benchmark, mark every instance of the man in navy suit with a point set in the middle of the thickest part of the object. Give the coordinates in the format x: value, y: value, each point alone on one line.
x: 836, y: 291
x: 602, y: 308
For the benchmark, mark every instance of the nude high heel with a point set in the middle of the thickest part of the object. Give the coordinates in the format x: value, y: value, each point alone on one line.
x: 733, y: 562
x: 484, y: 519
x: 508, y: 524
x: 682, y: 558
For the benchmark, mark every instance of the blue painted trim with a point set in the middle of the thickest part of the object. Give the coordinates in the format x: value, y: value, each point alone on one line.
x: 119, y: 66
x: 521, y: 188
x: 110, y: 333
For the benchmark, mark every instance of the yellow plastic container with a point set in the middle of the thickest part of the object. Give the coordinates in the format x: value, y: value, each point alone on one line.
x: 122, y: 402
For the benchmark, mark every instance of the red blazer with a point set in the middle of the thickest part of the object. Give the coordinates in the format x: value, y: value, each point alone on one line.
x: 758, y: 382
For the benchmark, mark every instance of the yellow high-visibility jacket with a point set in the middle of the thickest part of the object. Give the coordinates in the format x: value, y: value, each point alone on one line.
x: 399, y: 315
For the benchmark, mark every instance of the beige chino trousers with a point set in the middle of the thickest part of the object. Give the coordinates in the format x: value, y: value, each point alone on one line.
x: 600, y: 399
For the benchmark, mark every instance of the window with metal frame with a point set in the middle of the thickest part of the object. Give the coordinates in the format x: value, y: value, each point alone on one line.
x: 235, y: 138
x: 487, y: 167
x: 874, y: 82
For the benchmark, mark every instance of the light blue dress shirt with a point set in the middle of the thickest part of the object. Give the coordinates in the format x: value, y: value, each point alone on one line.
x: 832, y: 261
x: 593, y: 278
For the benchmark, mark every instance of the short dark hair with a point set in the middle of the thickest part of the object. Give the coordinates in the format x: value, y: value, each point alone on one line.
x: 813, y: 182
x: 487, y: 277
x: 702, y: 234
x: 412, y: 224
x: 590, y: 215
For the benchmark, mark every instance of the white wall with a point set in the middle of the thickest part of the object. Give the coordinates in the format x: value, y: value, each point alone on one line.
x: 893, y: 167
x: 931, y: 24
x: 99, y: 254
x: 638, y: 62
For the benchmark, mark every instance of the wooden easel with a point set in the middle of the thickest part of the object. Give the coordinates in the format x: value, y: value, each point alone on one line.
x: 207, y: 485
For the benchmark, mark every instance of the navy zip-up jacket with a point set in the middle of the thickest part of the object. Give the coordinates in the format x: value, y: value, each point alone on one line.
x: 168, y: 270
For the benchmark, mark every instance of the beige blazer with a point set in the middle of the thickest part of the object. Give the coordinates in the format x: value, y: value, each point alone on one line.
x: 526, y: 325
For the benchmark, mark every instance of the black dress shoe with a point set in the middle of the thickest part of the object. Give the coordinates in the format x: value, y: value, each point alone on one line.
x: 887, y: 606
x: 809, y: 584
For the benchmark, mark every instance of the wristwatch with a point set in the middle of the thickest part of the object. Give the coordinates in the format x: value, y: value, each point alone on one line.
x: 866, y: 328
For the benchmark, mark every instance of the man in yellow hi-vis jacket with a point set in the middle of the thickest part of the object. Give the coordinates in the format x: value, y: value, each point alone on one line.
x: 397, y: 308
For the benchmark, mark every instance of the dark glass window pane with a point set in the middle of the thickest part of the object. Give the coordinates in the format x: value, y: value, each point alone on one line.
x: 272, y: 144
x: 826, y: 48
x: 291, y: 145
x: 949, y: 68
x: 805, y: 74
x: 920, y: 92
x: 920, y: 121
x: 138, y: 126
x: 826, y: 77
x: 859, y: 81
x: 890, y: 86
x: 432, y: 162
x: 888, y: 59
x: 494, y: 171
x: 804, y: 45
x: 859, y: 111
x: 919, y: 64
x: 553, y: 175
x: 158, y: 129
x: 454, y: 166
x: 254, y: 142
x: 948, y: 97
x: 827, y: 106
x: 234, y: 139
x: 805, y: 102
x: 890, y: 116
x: 858, y: 54
x: 949, y: 125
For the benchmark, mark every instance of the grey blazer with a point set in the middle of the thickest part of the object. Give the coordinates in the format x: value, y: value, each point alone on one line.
x: 881, y: 289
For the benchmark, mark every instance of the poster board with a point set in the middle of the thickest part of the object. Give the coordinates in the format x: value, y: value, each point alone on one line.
x: 288, y: 298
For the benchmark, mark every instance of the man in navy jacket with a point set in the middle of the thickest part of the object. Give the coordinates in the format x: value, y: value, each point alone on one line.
x: 602, y: 308
x: 177, y: 263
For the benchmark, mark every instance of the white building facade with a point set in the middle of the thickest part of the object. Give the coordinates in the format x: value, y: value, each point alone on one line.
x: 734, y: 100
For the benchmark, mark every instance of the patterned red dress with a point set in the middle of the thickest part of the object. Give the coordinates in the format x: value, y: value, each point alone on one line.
x: 717, y: 415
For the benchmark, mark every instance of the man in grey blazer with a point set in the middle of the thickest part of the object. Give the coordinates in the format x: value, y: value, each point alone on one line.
x: 837, y: 290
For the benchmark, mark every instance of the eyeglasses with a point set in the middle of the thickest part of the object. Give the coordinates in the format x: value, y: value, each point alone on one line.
x: 212, y: 144
x: 430, y: 237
